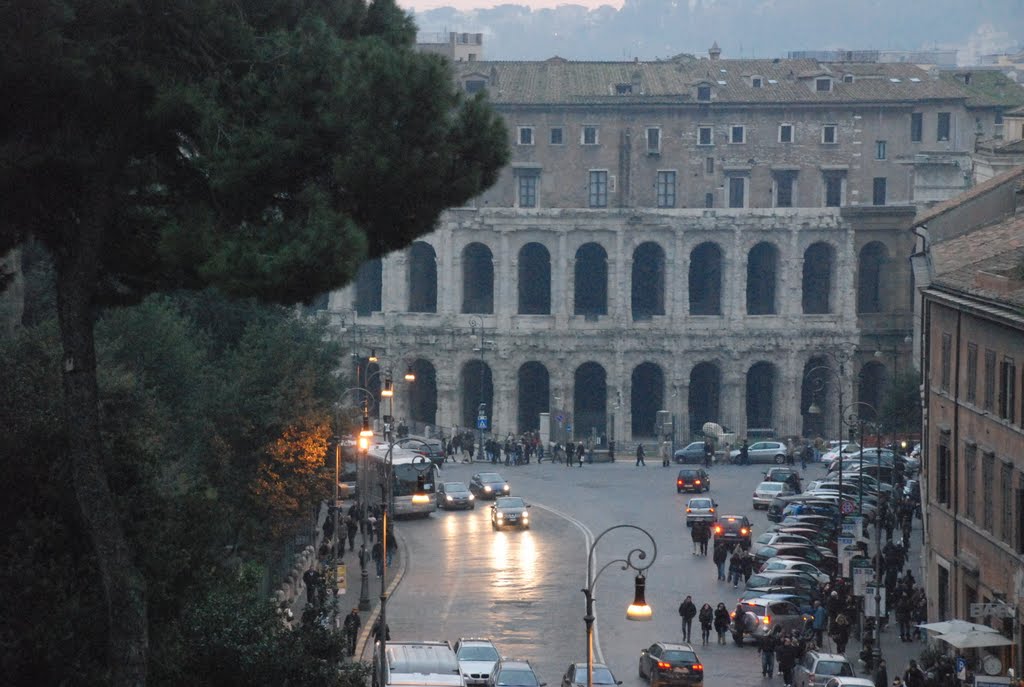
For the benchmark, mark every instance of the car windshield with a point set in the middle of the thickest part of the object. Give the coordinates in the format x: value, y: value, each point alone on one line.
x: 679, y: 656
x: 455, y: 487
x: 526, y: 678
x: 760, y: 581
x: 694, y: 446
x: 490, y: 477
x: 833, y: 668
x: 688, y: 473
x: 700, y: 503
x: 478, y: 653
x: 770, y: 486
x: 602, y: 676
x: 511, y: 502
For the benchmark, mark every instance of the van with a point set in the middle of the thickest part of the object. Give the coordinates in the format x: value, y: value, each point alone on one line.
x: 416, y: 664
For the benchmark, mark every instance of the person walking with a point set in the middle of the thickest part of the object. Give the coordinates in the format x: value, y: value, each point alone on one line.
x: 709, y: 453
x: 310, y: 579
x: 705, y: 535
x: 747, y: 566
x: 721, y: 621
x: 351, y: 627
x: 640, y: 455
x: 377, y: 556
x: 706, y: 617
x: 735, y: 567
x: 664, y: 450
x: 687, y: 610
x: 695, y: 536
x: 913, y: 676
x: 786, y: 655
x: 820, y: 622
x: 881, y: 676
x: 719, y: 558
x: 350, y: 528
x: 744, y: 452
x: 377, y: 632
x: 767, y: 650
x: 581, y: 451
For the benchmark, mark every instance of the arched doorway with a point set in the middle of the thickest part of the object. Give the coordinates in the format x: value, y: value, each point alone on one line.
x: 534, y: 280
x: 590, y: 400
x: 534, y: 394
x: 706, y: 280
x: 646, y: 398
x: 477, y: 388
x: 703, y: 403
x: 870, y: 266
x: 817, y: 279
x: 422, y: 394
x: 760, y: 396
x: 591, y: 280
x: 762, y: 265
x: 422, y: 277
x: 477, y: 279
x: 648, y: 283
x: 369, y: 281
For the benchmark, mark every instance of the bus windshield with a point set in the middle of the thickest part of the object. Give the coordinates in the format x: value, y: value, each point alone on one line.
x: 405, y: 480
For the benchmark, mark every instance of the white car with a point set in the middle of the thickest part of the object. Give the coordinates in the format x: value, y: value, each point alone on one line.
x: 476, y: 659
x: 700, y: 508
x: 766, y: 491
x: 834, y: 450
x: 850, y: 682
x: 779, y: 564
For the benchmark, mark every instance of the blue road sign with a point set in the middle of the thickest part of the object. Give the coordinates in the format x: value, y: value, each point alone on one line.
x: 481, y: 423
x: 560, y: 418
x: 568, y: 427
x: 961, y: 664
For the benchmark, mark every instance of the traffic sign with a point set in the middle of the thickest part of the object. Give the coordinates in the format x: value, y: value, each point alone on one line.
x: 847, y: 507
x: 961, y: 668
x: 568, y: 427
x: 481, y: 423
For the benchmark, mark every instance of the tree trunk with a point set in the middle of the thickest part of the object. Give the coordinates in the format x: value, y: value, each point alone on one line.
x: 123, y: 585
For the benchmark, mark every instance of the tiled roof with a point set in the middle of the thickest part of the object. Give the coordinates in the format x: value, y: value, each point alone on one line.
x: 987, y: 88
x: 559, y: 81
x: 979, y: 190
x: 997, y: 250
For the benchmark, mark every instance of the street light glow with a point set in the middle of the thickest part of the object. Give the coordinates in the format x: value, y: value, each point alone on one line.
x: 639, y: 609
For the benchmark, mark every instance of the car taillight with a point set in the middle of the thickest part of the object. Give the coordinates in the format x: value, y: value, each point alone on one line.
x: 766, y: 621
x: 743, y: 530
x: 696, y: 481
x: 688, y: 510
x: 698, y: 667
x: 664, y: 666
x: 711, y: 510
x: 679, y: 482
x: 718, y: 529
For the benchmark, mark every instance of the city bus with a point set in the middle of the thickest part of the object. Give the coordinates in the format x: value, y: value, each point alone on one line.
x: 409, y: 496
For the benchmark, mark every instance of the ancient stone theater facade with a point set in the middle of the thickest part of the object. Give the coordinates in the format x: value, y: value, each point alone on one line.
x: 725, y: 240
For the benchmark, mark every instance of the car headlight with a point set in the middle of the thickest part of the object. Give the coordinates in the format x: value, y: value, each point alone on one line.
x: 448, y: 497
x: 471, y: 497
x: 526, y: 516
x: 500, y: 515
x: 505, y: 487
x: 487, y: 488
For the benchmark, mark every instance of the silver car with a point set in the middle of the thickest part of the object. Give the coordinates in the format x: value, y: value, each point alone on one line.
x: 700, y: 508
x: 762, y: 452
x: 766, y: 491
x: 476, y: 659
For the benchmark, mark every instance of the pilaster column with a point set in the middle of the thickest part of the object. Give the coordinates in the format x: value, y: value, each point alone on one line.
x: 679, y: 285
x: 733, y: 396
x: 734, y: 281
x: 505, y: 291
x: 787, y: 397
x: 395, y: 278
x: 446, y: 274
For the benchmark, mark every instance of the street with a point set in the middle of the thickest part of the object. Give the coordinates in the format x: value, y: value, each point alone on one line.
x: 522, y: 589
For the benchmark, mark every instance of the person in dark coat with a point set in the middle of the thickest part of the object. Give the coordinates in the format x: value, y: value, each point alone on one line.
x: 350, y: 528
x: 376, y: 631
x: 840, y: 632
x: 721, y: 553
x: 687, y: 610
x: 695, y: 536
x: 721, y: 621
x: 736, y: 567
x: 640, y: 455
x: 351, y: 627
x: 706, y: 616
x: 744, y: 453
x: 786, y: 655
x: 767, y: 650
x: 310, y: 579
x: 881, y: 677
x: 747, y: 566
x: 705, y: 535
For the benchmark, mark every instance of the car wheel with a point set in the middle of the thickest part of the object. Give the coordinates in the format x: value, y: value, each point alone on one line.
x: 780, y: 459
x: 738, y: 638
x: 640, y: 669
x: 678, y: 490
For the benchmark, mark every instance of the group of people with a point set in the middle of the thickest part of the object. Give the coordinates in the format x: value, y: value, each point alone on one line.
x: 708, y: 617
x: 352, y: 521
x: 514, y: 450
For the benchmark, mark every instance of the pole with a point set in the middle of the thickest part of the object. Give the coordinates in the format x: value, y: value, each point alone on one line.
x: 877, y: 651
x: 364, y: 574
x: 861, y: 507
x: 383, y: 635
x: 588, y: 619
x: 334, y: 544
x: 839, y: 382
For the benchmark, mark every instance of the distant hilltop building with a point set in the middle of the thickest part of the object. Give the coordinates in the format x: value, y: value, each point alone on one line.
x: 722, y: 239
x: 458, y: 47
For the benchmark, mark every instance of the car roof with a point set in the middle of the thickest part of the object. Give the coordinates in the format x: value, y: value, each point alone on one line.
x: 474, y: 640
x: 764, y: 599
x: 673, y: 645
x: 822, y: 656
x: 515, y: 663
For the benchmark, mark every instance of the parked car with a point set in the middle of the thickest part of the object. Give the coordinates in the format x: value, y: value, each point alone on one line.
x: 780, y: 473
x: 801, y: 599
x: 693, y: 479
x: 786, y: 564
x: 576, y: 675
x: 489, y: 485
x: 821, y: 557
x: 762, y: 452
x: 431, y: 448
x: 849, y: 682
x: 691, y: 453
x: 762, y: 615
x: 477, y: 658
x: 834, y: 450
x: 510, y: 511
x: 732, y: 530
x: 817, y: 667
x: 663, y: 663
x: 514, y: 672
x: 770, y: 538
x: 765, y: 492
x: 700, y: 508
x: 792, y: 578
x: 454, y: 495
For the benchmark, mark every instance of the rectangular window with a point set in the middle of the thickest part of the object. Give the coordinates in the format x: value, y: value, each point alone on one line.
x: 737, y: 134
x: 525, y: 136
x: 737, y: 191
x: 757, y: 82
x: 972, y: 373
x: 878, y: 191
x: 990, y: 379
x: 947, y: 357
x: 828, y: 134
x: 785, y: 133
x: 988, y: 467
x: 880, y: 150
x: 704, y: 137
x: 1020, y: 514
x: 709, y: 200
x: 943, y: 471
x: 970, y: 479
x: 709, y: 165
x: 916, y: 127
x: 823, y: 85
x: 942, y: 587
x: 784, y: 189
x: 557, y: 136
x: 942, y: 127
x: 653, y: 139
x: 833, y: 190
x: 1007, y: 389
x: 598, y: 188
x: 666, y: 189
x: 588, y: 136
x: 703, y: 93
x: 526, y: 188
x: 1006, y: 496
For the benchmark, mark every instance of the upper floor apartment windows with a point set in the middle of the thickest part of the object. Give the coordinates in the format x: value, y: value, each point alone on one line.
x: 589, y: 135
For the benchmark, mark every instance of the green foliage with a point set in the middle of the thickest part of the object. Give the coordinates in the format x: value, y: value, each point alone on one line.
x: 901, y: 406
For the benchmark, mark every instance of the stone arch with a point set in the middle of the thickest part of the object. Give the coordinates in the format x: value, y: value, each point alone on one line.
x: 534, y: 279
x: 817, y: 390
x: 422, y: 394
x: 648, y: 281
x: 534, y: 395
x: 369, y: 287
x: 591, y: 280
x: 761, y: 378
x: 819, y: 261
x: 647, y: 397
x: 477, y: 279
x: 870, y: 270
x: 706, y: 279
x: 762, y: 276
x: 872, y: 384
x: 590, y: 399
x: 422, y: 286
x: 704, y: 399
x: 477, y: 388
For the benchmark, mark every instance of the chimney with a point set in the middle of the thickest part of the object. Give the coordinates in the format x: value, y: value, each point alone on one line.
x: 714, y: 52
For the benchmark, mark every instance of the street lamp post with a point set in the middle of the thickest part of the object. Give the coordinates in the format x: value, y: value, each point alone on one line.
x: 638, y: 610
x: 841, y: 357
x: 477, y: 324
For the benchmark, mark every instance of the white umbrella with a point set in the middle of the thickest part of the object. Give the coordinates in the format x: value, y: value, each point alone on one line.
x: 975, y: 639
x: 955, y: 627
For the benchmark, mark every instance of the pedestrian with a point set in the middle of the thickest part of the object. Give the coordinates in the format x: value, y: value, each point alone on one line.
x: 351, y: 627
x: 664, y: 451
x: 719, y: 558
x: 687, y: 610
x: 744, y: 452
x: 786, y: 654
x: 309, y: 578
x: 735, y: 567
x: 705, y: 535
x: 881, y: 677
x: 376, y: 632
x: 747, y: 566
x: 820, y: 622
x: 377, y: 556
x: 721, y: 621
x: 640, y: 455
x: 904, y: 612
x: 709, y: 453
x: 581, y: 451
x: 706, y: 616
x: 350, y: 528
x: 695, y: 536
x: 392, y: 547
x: 913, y: 676
x: 767, y: 650
x: 841, y: 632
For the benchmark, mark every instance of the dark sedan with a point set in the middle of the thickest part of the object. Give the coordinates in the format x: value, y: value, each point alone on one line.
x: 671, y: 664
x: 489, y: 485
x: 693, y: 479
x: 455, y: 495
x: 510, y: 511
